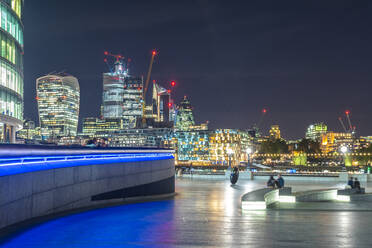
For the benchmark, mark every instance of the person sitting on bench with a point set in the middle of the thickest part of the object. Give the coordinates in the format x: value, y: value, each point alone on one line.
x: 271, y: 182
x: 279, y: 182
x: 357, y: 185
x: 351, y: 182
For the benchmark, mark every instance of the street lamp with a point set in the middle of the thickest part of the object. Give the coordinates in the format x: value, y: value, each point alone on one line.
x: 344, y: 150
x: 249, y: 152
x: 229, y: 153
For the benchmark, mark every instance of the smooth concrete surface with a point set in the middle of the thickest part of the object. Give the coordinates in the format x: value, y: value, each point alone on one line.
x: 39, y: 193
x: 271, y: 198
x: 205, y: 213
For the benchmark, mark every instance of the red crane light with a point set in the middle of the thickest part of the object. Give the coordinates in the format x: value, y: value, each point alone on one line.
x: 154, y: 53
x: 106, y: 53
x: 173, y: 83
x: 264, y: 111
x: 347, y: 112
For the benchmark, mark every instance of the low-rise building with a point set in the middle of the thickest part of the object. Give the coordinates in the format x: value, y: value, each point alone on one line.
x: 332, y: 141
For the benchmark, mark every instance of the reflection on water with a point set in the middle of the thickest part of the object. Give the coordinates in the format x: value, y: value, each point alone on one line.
x: 204, y: 213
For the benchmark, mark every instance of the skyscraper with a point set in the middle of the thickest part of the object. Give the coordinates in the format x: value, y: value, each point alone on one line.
x: 113, y: 92
x: 58, y: 98
x: 122, y: 96
x: 132, y: 102
x: 11, y: 69
x: 184, y: 116
x: 161, y: 103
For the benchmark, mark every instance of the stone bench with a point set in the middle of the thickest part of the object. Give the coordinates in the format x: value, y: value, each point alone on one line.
x: 317, y: 195
x: 263, y: 198
x: 351, y: 191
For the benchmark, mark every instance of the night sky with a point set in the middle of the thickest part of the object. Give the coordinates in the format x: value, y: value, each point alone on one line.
x: 305, y: 61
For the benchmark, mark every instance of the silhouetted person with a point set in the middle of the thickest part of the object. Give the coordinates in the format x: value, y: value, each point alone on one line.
x: 280, y: 181
x: 357, y: 184
x: 271, y: 182
x: 351, y: 182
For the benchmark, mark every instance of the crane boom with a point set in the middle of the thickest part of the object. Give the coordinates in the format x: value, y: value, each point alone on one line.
x: 146, y: 88
x: 347, y: 112
x: 264, y: 111
x: 342, y: 124
x: 149, y: 73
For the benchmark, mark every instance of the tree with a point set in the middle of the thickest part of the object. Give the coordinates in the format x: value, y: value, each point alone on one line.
x: 274, y: 146
x: 308, y: 146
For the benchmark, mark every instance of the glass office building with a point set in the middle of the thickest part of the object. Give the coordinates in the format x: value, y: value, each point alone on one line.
x: 113, y: 92
x: 58, y: 98
x: 184, y: 116
x: 132, y: 102
x: 11, y: 69
x: 122, y: 96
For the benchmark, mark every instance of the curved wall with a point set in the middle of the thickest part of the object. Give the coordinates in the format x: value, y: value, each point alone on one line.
x: 40, y: 187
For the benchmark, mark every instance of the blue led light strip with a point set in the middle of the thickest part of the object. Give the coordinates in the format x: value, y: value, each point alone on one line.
x: 18, y: 165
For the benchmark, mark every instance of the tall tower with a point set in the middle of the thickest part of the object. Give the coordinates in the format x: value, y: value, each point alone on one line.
x: 161, y: 103
x: 122, y: 95
x: 113, y: 92
x: 11, y: 71
x: 58, y: 98
x: 184, y: 116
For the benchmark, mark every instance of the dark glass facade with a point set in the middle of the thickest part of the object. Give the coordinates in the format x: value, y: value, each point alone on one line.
x: 11, y: 69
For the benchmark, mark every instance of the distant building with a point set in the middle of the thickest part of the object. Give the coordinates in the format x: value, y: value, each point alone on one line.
x: 148, y: 137
x: 275, y: 132
x: 361, y: 143
x: 192, y: 146
x: 161, y: 103
x: 58, y: 98
x: 29, y: 132
x: 132, y: 102
x: 332, y: 142
x: 113, y: 92
x: 223, y: 140
x: 184, y: 116
x: 368, y: 139
x: 315, y: 131
x: 92, y: 125
x: 11, y: 69
x: 210, y: 147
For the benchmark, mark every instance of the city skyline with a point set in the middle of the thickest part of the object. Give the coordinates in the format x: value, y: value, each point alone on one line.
x: 323, y: 50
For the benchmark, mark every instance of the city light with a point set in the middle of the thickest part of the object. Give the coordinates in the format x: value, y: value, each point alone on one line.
x: 344, y: 149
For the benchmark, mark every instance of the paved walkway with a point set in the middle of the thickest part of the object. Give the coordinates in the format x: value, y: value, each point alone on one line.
x: 205, y: 213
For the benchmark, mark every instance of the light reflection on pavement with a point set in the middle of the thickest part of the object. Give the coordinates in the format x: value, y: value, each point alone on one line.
x: 205, y: 213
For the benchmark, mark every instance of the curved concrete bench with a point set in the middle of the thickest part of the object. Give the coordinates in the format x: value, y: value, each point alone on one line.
x: 317, y: 195
x: 263, y: 198
x: 351, y: 191
x: 272, y: 198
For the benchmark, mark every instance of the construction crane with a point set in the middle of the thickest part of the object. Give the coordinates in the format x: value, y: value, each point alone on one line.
x: 350, y: 128
x: 149, y: 73
x: 117, y: 57
x: 153, y: 54
x: 256, y: 127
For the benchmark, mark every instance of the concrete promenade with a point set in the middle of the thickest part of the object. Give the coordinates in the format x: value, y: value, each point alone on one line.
x: 43, y: 183
x: 205, y: 213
